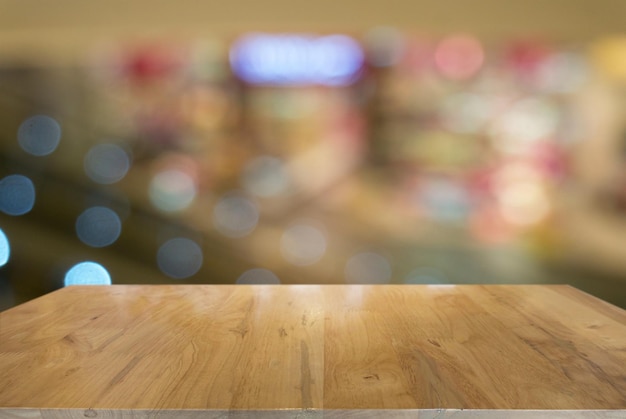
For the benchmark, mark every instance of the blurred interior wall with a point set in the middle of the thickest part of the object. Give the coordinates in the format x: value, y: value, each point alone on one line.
x: 62, y: 28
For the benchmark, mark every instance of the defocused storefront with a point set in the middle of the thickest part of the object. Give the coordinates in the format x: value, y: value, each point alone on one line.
x: 372, y: 156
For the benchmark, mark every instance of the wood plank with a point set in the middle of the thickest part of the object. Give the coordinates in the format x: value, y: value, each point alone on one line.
x: 327, y: 350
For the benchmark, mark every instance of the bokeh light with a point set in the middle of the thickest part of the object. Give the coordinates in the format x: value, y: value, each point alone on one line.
x: 524, y: 203
x: 294, y: 60
x: 172, y: 190
x: 609, y: 56
x: 459, y: 57
x: 5, y: 249
x: 39, y: 135
x: 525, y: 123
x: 525, y: 58
x: 563, y: 72
x: 424, y: 150
x: 265, y: 176
x: 303, y: 244
x: 87, y: 273
x: 258, y: 276
x: 179, y: 258
x: 17, y: 195
x: 235, y: 215
x: 521, y: 194
x: 98, y: 226
x: 368, y: 268
x: 466, y: 112
x: 106, y: 163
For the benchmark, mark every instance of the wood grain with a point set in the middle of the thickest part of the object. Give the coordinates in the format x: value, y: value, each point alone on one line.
x: 294, y: 350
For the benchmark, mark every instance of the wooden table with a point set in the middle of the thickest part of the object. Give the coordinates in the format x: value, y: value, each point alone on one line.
x: 208, y: 351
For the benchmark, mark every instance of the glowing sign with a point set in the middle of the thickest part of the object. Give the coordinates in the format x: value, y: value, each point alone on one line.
x: 332, y: 60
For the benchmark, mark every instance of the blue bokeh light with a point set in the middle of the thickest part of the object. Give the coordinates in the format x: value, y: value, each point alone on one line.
x: 5, y: 249
x: 39, y: 135
x: 17, y: 195
x: 87, y: 273
x: 179, y: 258
x: 98, y: 226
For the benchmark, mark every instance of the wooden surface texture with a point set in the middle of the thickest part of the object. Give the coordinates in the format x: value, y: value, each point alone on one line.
x: 89, y: 350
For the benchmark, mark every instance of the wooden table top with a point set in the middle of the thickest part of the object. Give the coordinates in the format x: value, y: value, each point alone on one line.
x: 293, y: 350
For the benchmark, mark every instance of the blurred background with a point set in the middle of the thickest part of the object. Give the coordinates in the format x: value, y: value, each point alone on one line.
x: 280, y: 142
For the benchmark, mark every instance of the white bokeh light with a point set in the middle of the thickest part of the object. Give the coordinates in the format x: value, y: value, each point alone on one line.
x: 87, y: 273
x: 172, y: 190
x: 564, y: 72
x: 39, y: 135
x: 368, y: 268
x: 303, y: 244
x: 524, y: 124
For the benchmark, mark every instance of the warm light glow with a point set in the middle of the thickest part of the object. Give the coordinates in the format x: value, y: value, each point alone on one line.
x: 522, y: 198
x: 609, y: 56
x: 523, y: 203
x: 515, y: 172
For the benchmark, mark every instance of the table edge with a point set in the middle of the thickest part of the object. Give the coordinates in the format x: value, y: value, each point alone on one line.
x: 76, y: 413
